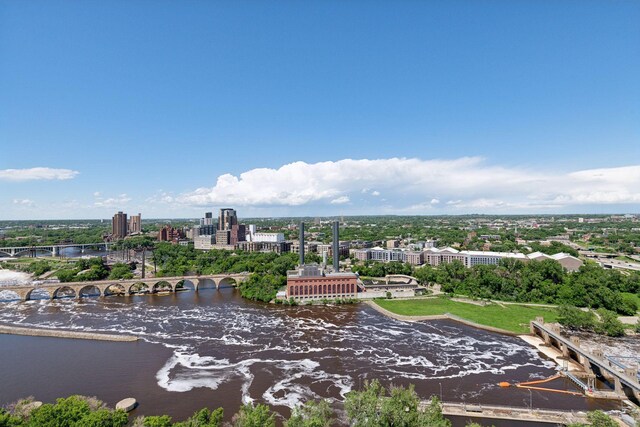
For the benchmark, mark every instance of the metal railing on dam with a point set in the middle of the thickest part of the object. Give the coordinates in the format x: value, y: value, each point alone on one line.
x: 625, y: 380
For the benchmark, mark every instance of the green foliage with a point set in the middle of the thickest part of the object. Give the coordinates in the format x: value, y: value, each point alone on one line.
x: 597, y: 419
x: 9, y: 420
x: 104, y: 418
x: 120, y: 271
x: 540, y: 282
x: 157, y: 421
x: 254, y: 416
x: 75, y: 411
x: 372, y: 407
x: 261, y: 287
x: 628, y: 305
x: 311, y: 414
x: 204, y: 418
x: 609, y: 324
x: 574, y: 318
x: 84, y: 270
x: 378, y: 269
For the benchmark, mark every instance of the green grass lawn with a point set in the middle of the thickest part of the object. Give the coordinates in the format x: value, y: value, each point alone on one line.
x: 514, y: 318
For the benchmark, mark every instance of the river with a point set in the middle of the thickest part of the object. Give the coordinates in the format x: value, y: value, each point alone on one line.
x: 213, y: 348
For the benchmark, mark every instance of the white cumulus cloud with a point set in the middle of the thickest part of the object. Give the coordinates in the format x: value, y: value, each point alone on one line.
x: 40, y: 173
x: 340, y: 200
x: 463, y: 184
x: 23, y: 202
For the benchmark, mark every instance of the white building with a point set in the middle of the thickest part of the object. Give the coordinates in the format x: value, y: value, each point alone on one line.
x: 204, y: 242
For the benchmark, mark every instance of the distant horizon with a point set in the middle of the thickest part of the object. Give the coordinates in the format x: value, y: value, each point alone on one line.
x: 311, y: 218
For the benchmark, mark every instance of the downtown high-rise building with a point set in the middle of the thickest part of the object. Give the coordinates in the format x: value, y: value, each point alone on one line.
x: 119, y: 225
x: 135, y: 224
x: 227, y: 219
x: 229, y: 232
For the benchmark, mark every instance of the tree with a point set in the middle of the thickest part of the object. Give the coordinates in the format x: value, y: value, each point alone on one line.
x: 103, y: 418
x: 574, y: 318
x: 311, y: 414
x: 371, y: 407
x: 362, y: 406
x: 609, y: 324
x: 204, y: 418
x: 157, y: 421
x: 628, y: 305
x: 254, y: 416
x: 597, y: 419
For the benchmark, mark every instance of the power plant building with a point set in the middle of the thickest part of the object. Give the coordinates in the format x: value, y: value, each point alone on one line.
x: 311, y: 282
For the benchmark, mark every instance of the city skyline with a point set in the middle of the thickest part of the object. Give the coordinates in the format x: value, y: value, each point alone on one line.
x: 411, y: 108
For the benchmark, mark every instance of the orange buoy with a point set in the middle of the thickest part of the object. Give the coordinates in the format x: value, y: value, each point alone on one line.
x: 504, y: 384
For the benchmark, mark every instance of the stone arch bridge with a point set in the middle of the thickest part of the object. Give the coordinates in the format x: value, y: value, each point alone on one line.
x: 128, y: 287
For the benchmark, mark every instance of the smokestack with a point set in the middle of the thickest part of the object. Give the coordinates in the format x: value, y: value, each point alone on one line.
x: 301, y: 243
x: 336, y: 244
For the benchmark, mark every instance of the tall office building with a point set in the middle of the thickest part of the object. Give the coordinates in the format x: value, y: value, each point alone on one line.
x: 119, y: 225
x: 229, y: 232
x: 135, y: 224
x: 227, y: 219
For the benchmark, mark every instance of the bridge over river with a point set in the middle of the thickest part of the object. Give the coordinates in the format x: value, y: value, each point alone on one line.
x: 16, y: 251
x: 127, y: 287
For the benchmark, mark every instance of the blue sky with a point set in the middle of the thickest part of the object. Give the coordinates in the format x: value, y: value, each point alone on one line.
x: 318, y: 108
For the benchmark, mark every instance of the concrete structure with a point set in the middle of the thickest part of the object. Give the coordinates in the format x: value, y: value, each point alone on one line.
x: 301, y: 247
x: 204, y: 242
x: 435, y: 257
x: 626, y: 380
x: 135, y: 224
x: 119, y: 225
x: 335, y: 246
x: 310, y: 282
x: 126, y: 287
x: 392, y: 244
x: 267, y: 237
x: 170, y: 234
x: 277, y: 247
x: 14, y: 251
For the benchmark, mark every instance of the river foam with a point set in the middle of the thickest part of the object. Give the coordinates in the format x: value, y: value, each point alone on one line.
x: 286, y: 355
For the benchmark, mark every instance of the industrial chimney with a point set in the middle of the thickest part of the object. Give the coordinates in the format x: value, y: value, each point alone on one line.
x: 301, y: 243
x: 336, y: 246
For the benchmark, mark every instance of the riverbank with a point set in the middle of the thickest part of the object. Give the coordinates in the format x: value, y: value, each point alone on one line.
x: 58, y: 333
x: 510, y: 319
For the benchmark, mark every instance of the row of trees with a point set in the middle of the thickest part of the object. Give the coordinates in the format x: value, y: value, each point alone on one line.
x: 602, y: 322
x: 543, y: 282
x: 177, y: 260
x: 94, y: 269
x: 374, y: 406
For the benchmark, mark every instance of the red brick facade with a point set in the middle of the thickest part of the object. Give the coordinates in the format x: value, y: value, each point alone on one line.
x: 316, y: 287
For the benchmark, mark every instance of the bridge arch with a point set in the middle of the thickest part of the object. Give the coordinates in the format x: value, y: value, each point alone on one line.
x: 115, y: 289
x: 205, y: 283
x: 161, y: 286
x: 7, y: 295
x: 64, y: 292
x: 139, y: 288
x: 89, y: 291
x: 227, y: 282
x: 4, y: 254
x: 187, y: 284
x: 37, y: 293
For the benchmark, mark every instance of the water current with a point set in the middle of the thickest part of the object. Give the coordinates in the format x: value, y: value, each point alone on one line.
x: 213, y: 348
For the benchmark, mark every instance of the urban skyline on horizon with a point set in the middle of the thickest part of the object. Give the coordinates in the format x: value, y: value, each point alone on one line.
x: 410, y: 109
